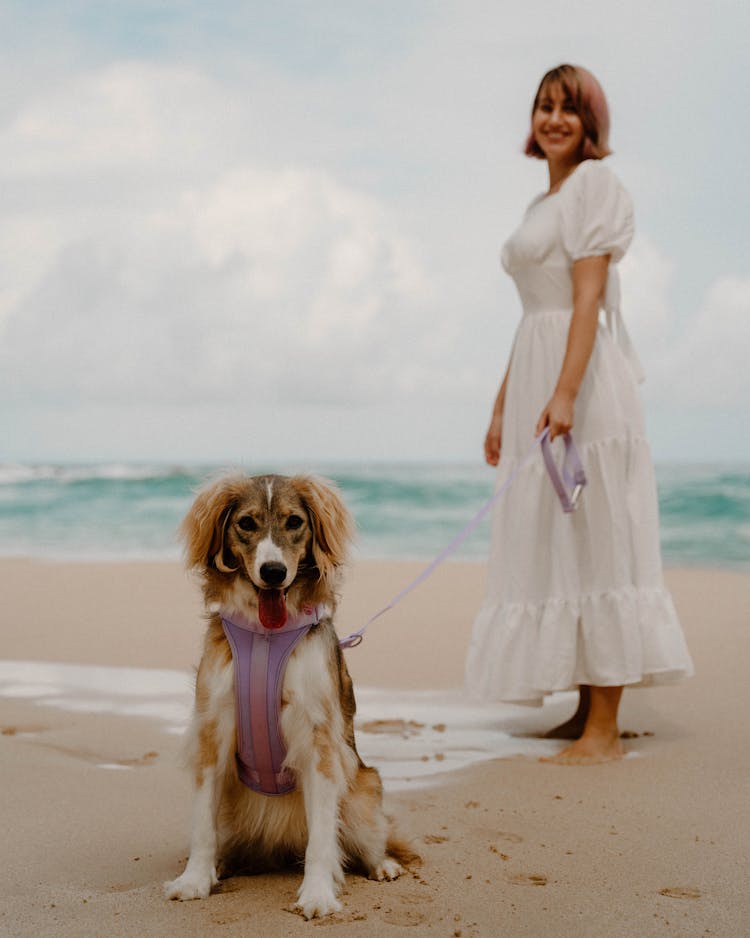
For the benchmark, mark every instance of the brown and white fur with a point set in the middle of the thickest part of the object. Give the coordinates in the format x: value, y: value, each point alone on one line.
x: 239, y: 532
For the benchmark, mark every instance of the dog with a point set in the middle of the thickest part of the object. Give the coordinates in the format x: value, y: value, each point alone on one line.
x: 267, y: 547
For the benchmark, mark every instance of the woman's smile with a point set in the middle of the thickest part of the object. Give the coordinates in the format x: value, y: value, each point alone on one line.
x: 557, y: 126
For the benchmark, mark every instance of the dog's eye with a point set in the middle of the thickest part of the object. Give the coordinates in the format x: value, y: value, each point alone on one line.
x: 294, y: 522
x: 248, y: 524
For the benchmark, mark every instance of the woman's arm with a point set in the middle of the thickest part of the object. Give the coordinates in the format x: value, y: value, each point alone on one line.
x: 494, y: 438
x: 589, y: 281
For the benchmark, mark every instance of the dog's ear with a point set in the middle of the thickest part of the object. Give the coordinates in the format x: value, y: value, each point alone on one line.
x: 332, y: 525
x: 205, y: 524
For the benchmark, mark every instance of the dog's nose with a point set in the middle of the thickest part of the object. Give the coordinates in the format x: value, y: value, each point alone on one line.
x: 273, y: 572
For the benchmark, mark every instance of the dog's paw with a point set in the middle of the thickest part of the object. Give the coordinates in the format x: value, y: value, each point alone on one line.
x: 317, y: 898
x: 388, y: 869
x: 191, y: 885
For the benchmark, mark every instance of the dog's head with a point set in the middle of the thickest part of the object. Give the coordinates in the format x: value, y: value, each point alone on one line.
x: 263, y: 541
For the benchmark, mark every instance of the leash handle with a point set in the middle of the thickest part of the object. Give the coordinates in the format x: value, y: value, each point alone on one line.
x: 570, y: 480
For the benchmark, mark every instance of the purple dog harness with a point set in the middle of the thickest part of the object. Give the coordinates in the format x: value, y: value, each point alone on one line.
x: 260, y: 657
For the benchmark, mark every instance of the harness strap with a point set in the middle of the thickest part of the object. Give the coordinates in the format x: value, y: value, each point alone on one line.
x: 260, y: 657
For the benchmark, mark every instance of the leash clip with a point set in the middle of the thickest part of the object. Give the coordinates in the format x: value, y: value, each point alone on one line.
x: 352, y: 641
x: 576, y: 494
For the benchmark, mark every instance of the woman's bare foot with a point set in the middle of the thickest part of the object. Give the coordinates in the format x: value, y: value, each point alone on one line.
x: 570, y: 729
x: 600, y: 741
x: 590, y: 749
x: 573, y: 728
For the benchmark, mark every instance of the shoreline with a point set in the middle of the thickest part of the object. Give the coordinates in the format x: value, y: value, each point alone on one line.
x: 655, y: 844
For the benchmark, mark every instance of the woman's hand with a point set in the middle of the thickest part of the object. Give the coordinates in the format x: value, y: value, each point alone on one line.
x: 557, y: 415
x: 493, y: 440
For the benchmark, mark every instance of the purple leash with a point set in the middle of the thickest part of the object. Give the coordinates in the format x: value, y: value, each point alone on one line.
x: 260, y: 655
x: 568, y: 486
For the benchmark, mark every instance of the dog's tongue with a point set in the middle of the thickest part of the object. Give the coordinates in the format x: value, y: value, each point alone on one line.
x: 272, y: 609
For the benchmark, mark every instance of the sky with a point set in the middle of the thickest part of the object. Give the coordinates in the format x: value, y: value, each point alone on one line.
x: 269, y: 232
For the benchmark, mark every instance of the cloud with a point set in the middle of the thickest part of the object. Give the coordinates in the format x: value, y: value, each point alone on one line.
x: 128, y: 117
x: 647, y: 275
x: 709, y: 366
x: 694, y: 354
x: 699, y: 360
x: 276, y: 283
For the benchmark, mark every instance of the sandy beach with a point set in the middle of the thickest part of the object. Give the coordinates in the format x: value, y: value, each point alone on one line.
x: 95, y: 807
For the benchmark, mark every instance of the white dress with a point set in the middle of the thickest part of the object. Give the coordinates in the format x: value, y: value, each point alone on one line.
x: 574, y: 598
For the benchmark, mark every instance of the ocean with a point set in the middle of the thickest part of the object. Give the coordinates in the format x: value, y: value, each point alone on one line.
x: 127, y: 511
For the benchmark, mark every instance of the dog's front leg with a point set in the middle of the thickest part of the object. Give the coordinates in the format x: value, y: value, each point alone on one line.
x: 211, y: 734
x: 200, y: 873
x: 322, y: 787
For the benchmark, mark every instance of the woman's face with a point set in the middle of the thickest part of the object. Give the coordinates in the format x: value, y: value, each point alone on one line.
x: 557, y: 127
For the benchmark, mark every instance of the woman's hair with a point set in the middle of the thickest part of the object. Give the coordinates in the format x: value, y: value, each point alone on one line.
x: 590, y: 104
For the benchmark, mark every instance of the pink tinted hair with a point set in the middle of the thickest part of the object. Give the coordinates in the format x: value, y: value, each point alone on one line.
x: 591, y: 106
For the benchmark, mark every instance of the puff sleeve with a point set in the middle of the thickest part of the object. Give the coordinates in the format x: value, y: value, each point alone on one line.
x: 597, y: 213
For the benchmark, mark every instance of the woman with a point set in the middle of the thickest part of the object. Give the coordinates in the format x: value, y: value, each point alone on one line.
x: 574, y: 600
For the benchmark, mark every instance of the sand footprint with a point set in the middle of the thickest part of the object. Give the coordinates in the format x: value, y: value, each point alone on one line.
x: 510, y: 837
x: 404, y: 913
x: 434, y: 839
x: 338, y: 918
x: 146, y: 759
x: 31, y: 730
x: 86, y: 755
x: 528, y: 879
x: 406, y: 909
x: 404, y: 728
x: 503, y: 856
x: 680, y: 892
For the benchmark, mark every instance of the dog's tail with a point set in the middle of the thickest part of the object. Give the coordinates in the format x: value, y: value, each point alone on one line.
x: 402, y: 850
